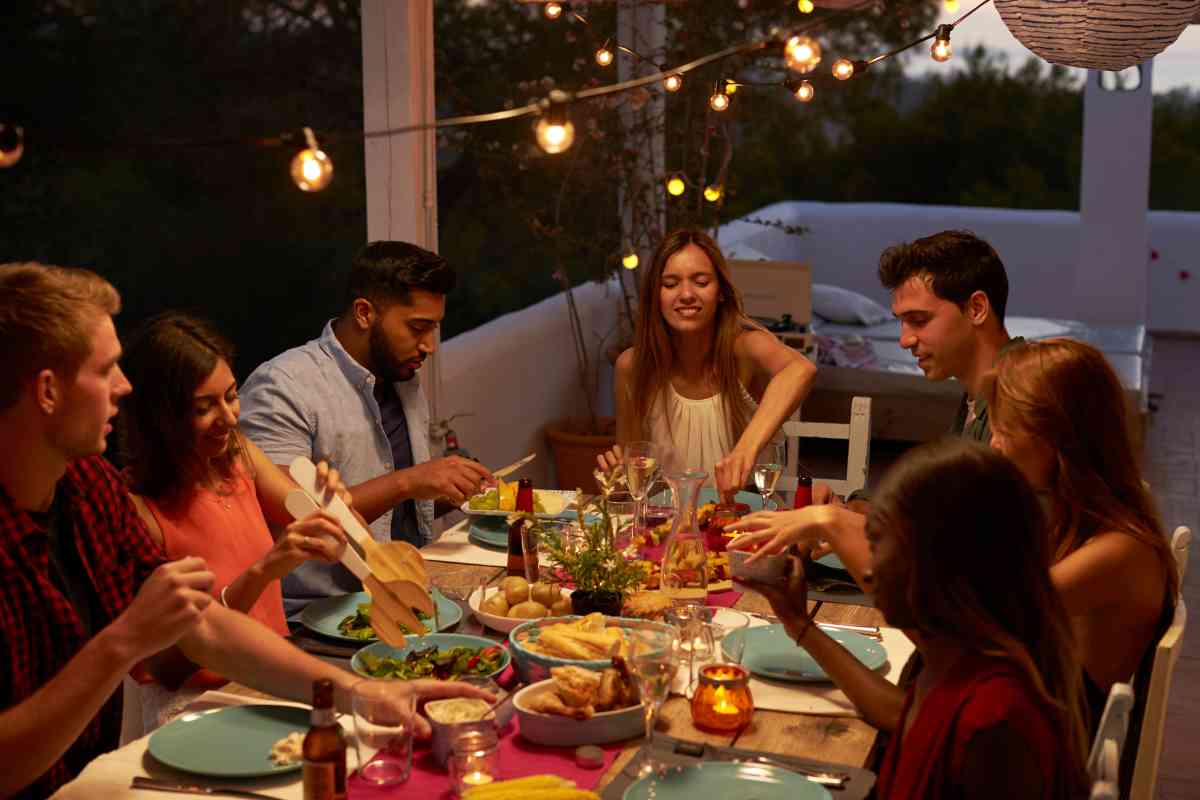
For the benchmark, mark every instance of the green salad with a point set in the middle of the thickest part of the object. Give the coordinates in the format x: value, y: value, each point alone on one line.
x: 430, y: 662
x: 358, y: 625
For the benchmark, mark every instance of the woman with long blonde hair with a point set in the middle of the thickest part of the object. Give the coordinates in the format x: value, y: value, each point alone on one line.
x: 702, y: 379
x: 996, y: 709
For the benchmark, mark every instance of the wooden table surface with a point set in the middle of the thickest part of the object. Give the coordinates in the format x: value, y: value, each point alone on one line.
x: 842, y: 740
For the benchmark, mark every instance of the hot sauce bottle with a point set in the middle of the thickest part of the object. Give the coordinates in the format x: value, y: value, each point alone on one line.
x: 516, y: 550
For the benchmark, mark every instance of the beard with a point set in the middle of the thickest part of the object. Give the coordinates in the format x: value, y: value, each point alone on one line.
x: 385, y: 364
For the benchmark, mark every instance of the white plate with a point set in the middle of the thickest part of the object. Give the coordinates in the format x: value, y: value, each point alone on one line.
x: 564, y: 496
x: 552, y: 729
x: 497, y: 623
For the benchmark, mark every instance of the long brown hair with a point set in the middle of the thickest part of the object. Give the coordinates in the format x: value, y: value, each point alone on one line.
x: 1065, y: 393
x: 654, y: 347
x: 980, y: 579
x: 166, y: 360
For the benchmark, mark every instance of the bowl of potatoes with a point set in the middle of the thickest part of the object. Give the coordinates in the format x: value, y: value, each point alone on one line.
x: 513, y: 601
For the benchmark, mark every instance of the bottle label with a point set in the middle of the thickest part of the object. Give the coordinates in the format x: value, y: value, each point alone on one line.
x: 321, y: 781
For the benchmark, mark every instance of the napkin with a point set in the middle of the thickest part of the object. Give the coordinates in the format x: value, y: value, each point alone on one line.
x: 454, y: 547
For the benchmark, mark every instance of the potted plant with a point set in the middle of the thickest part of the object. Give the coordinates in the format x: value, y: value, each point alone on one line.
x: 602, y: 576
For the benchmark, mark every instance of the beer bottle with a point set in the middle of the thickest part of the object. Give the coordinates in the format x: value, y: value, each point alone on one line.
x: 324, y: 748
x: 803, y: 487
x: 516, y: 550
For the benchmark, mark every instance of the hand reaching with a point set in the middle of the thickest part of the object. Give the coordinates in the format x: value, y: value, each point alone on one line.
x: 775, y: 531
x: 169, y: 604
x: 788, y: 598
x: 731, y: 472
x: 316, y: 537
x: 610, y: 460
x: 453, y: 477
x: 426, y: 689
x: 329, y: 483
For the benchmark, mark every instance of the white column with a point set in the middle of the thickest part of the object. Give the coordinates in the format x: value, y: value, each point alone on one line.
x: 1111, y: 277
x: 401, y: 169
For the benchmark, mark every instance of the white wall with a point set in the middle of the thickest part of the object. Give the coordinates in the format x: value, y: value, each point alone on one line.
x: 518, y: 372
x: 1040, y: 250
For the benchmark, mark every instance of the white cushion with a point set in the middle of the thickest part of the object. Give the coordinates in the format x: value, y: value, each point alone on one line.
x: 842, y: 305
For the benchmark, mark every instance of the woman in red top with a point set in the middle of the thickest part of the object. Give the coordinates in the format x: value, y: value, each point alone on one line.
x: 997, y: 709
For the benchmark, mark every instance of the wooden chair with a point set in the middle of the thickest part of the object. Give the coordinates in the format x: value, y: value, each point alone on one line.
x: 1181, y: 540
x: 1166, y: 654
x: 857, y: 432
x: 1104, y: 762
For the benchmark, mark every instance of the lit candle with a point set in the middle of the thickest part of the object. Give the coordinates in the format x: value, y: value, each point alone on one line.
x: 721, y: 703
x: 477, y: 778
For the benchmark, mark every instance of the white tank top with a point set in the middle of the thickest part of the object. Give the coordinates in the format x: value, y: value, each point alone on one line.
x: 697, y: 430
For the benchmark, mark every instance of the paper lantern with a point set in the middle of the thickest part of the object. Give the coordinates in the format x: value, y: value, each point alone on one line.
x: 1097, y: 34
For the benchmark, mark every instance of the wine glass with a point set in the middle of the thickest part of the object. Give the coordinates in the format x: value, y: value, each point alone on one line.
x: 641, y: 466
x: 653, y: 661
x: 767, y: 470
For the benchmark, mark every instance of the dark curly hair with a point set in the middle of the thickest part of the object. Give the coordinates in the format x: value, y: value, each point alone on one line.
x: 957, y: 264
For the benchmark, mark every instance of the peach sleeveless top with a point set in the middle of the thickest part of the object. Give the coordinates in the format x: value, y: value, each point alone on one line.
x: 228, y: 531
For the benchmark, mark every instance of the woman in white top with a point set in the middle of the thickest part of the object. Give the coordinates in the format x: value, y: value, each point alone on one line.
x: 702, y: 377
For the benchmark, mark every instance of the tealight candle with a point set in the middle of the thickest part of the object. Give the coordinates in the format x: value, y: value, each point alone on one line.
x: 722, y: 700
x: 474, y: 760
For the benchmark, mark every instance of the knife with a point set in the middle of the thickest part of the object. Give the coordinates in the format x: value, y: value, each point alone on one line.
x: 154, y: 784
x: 832, y: 780
x: 513, y: 467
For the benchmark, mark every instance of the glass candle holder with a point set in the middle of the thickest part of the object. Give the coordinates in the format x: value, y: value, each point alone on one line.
x: 722, y: 700
x: 474, y: 760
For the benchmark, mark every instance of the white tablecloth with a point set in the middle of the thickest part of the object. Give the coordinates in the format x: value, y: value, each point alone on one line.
x: 453, y: 547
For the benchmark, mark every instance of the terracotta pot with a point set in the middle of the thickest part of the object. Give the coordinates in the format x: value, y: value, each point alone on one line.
x: 608, y: 603
x: 575, y: 449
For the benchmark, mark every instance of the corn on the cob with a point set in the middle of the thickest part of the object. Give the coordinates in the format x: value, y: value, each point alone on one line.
x: 518, y: 787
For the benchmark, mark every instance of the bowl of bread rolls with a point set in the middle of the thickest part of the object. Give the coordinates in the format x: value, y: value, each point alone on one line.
x: 581, y: 706
x: 513, y: 601
x: 539, y: 645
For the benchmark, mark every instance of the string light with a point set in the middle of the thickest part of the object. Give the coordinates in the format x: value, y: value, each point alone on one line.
x: 713, y: 193
x: 951, y: 6
x: 804, y: 91
x: 941, y: 50
x: 673, y: 83
x: 12, y: 144
x: 805, y: 6
x: 311, y: 168
x: 802, y: 54
x: 731, y: 87
x: 604, y: 56
x: 844, y: 69
x: 676, y: 185
x: 630, y: 259
x: 719, y: 101
x: 552, y: 10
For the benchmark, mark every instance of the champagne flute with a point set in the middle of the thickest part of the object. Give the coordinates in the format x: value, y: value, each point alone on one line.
x: 641, y: 466
x: 653, y: 660
x: 767, y: 471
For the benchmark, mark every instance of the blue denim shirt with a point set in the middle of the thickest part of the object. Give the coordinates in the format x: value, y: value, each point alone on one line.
x: 317, y: 401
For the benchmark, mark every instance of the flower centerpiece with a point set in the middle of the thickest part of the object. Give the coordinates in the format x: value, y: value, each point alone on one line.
x: 589, y: 558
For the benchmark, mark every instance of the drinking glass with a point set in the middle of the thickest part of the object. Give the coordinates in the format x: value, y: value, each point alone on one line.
x: 622, y: 509
x: 729, y: 649
x: 641, y: 467
x: 383, y: 731
x: 653, y: 660
x: 695, y: 639
x: 767, y: 470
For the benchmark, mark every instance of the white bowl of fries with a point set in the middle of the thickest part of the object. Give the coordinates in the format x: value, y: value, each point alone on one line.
x: 580, y: 706
x: 589, y: 642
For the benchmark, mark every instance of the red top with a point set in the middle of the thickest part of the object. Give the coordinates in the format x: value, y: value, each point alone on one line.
x: 39, y: 628
x: 230, y: 533
x: 978, y: 693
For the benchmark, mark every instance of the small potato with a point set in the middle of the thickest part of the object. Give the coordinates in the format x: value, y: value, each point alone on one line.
x: 545, y: 593
x: 496, y: 604
x: 529, y: 610
x: 562, y: 608
x: 516, y: 589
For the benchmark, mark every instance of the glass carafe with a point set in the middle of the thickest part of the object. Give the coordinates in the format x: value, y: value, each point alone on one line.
x: 685, y: 562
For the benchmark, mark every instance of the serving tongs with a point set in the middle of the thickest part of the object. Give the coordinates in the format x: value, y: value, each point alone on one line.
x: 394, y: 573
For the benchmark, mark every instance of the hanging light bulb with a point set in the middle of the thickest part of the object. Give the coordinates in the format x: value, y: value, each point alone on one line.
x: 552, y: 10
x: 941, y: 50
x: 731, y: 87
x: 630, y: 259
x: 676, y: 185
x: 951, y: 6
x: 604, y: 56
x: 844, y: 69
x: 802, y: 54
x: 311, y: 168
x: 804, y: 91
x: 12, y: 144
x: 554, y: 131
x: 719, y: 101
x: 713, y: 193
x: 805, y: 6
x: 673, y: 83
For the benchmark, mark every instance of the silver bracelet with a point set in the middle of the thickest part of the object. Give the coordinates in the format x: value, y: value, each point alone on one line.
x: 224, y: 602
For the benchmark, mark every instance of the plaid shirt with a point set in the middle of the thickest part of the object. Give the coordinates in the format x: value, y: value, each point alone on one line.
x: 39, y: 629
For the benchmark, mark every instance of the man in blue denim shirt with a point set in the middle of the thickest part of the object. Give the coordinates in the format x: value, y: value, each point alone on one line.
x: 353, y: 397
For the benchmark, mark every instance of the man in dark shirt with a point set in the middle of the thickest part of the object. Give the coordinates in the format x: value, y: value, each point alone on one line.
x: 85, y: 594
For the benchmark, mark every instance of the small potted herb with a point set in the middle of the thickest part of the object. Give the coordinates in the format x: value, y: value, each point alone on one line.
x: 601, y: 574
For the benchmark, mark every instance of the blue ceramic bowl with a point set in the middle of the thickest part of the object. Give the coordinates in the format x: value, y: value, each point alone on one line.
x: 532, y: 667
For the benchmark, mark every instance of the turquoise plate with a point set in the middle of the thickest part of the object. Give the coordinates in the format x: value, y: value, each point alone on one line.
x: 832, y: 561
x: 444, y: 641
x: 770, y: 653
x: 322, y: 616
x: 488, y: 532
x: 709, y: 495
x: 726, y: 779
x: 233, y: 742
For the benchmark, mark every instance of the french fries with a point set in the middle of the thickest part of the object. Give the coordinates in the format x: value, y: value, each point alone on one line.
x: 586, y: 639
x: 535, y: 787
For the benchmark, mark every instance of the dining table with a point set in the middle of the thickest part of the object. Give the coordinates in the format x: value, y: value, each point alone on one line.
x: 839, y: 737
